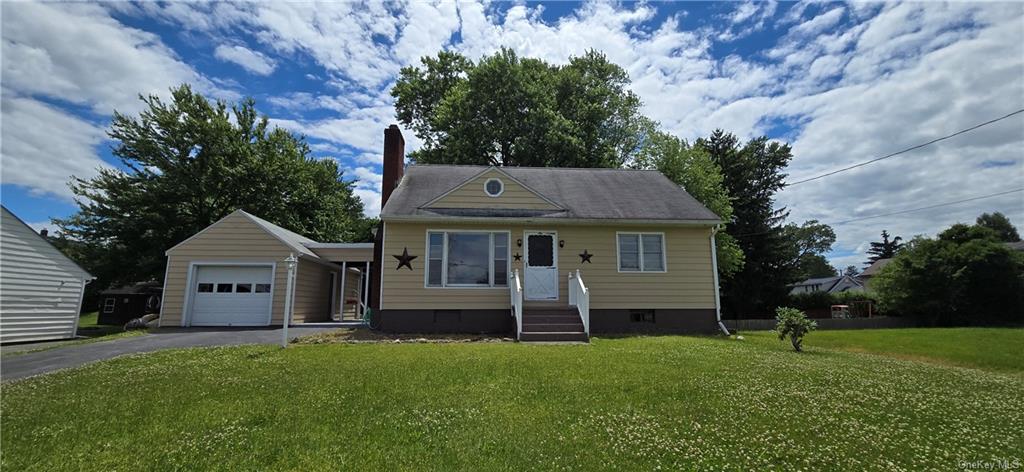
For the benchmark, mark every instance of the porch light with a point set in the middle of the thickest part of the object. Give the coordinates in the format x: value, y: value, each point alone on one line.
x: 561, y: 243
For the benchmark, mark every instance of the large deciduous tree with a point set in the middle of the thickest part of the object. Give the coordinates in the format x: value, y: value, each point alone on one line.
x: 692, y: 168
x: 512, y: 111
x: 999, y: 223
x: 753, y: 173
x: 965, y: 276
x: 190, y: 162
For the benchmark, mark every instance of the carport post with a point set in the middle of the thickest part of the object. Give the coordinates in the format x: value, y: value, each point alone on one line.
x: 287, y: 315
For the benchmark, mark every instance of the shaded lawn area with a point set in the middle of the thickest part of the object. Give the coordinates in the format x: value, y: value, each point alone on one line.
x: 995, y: 349
x: 627, y: 403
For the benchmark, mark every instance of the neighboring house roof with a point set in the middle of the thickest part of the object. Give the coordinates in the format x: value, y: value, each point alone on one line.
x: 143, y: 287
x: 1016, y: 246
x: 9, y: 216
x: 875, y: 268
x: 612, y: 194
x: 837, y: 283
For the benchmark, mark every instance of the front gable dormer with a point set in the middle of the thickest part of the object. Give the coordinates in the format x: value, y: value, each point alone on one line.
x: 493, y: 188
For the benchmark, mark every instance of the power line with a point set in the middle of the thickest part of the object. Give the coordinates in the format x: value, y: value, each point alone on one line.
x: 930, y: 206
x: 965, y: 130
x: 900, y: 212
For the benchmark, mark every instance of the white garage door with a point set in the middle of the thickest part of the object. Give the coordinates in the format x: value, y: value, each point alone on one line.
x: 231, y: 296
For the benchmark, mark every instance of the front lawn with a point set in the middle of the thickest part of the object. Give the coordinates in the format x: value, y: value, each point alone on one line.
x: 679, y: 403
x: 996, y: 349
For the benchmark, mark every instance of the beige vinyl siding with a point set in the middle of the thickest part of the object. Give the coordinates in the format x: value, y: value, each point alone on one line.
x: 472, y: 195
x: 234, y: 239
x: 688, y: 282
x: 312, y: 292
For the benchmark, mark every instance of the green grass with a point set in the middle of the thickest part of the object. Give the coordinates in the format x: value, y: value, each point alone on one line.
x: 996, y: 349
x: 628, y: 404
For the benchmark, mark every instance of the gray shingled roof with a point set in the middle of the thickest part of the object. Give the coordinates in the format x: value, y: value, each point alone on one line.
x: 294, y: 240
x: 581, y: 193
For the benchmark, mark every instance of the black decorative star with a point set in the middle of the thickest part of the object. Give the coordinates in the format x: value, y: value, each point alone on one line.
x: 585, y: 257
x: 517, y: 256
x: 404, y: 259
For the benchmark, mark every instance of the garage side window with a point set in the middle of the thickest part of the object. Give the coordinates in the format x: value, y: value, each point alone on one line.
x: 225, y: 288
x: 205, y: 288
x: 108, y: 305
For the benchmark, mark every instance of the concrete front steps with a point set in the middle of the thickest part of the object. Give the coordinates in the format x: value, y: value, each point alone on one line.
x: 552, y: 325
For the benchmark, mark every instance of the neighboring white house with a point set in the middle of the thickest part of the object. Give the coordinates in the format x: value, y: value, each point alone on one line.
x: 841, y: 283
x: 40, y: 288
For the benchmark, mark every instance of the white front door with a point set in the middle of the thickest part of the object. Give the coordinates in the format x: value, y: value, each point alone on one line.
x: 231, y: 295
x: 541, y: 268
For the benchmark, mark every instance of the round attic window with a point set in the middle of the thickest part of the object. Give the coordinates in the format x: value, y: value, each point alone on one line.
x: 494, y: 187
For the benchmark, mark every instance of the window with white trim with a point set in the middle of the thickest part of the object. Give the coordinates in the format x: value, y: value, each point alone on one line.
x: 494, y: 187
x: 641, y: 252
x: 108, y: 305
x: 467, y: 259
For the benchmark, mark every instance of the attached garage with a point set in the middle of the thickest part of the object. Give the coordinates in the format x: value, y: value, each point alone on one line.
x: 233, y: 273
x: 232, y: 295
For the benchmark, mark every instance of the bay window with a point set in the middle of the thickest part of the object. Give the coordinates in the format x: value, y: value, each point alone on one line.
x: 467, y: 259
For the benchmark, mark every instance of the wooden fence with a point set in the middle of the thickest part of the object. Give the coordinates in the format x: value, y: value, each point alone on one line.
x: 878, y: 322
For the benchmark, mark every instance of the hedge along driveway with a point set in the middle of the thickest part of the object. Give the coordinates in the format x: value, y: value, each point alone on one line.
x: 629, y: 404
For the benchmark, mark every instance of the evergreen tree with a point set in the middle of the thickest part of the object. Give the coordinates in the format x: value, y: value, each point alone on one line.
x: 884, y: 249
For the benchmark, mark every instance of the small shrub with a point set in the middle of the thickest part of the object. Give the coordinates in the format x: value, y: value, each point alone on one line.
x: 794, y: 324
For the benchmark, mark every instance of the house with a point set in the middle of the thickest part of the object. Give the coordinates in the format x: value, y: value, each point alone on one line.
x: 542, y: 253
x: 119, y: 305
x: 872, y: 270
x: 841, y: 283
x: 41, y: 289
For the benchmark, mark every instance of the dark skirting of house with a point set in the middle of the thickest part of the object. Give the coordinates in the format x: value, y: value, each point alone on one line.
x: 649, y: 321
x: 122, y: 304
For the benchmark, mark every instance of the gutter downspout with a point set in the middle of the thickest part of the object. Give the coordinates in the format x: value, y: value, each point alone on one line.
x: 714, y: 269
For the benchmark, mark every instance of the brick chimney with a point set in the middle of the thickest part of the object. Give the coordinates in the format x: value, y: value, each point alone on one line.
x: 394, y: 161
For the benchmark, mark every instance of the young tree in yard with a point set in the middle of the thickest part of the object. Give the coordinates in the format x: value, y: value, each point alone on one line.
x: 691, y: 167
x: 512, y: 111
x: 965, y: 276
x: 793, y: 323
x: 884, y: 249
x: 190, y: 162
x: 999, y: 223
x: 851, y: 271
x: 753, y: 173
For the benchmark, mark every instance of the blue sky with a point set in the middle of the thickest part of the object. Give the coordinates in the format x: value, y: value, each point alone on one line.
x: 842, y: 82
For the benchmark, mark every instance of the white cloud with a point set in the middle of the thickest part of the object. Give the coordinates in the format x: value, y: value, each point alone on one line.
x: 78, y: 53
x: 42, y: 147
x: 251, y: 61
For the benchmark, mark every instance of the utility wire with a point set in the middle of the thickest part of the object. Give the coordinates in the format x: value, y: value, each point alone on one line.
x: 844, y: 169
x: 929, y: 207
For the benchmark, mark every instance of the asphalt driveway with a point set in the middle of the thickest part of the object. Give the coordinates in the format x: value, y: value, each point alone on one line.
x: 34, y: 363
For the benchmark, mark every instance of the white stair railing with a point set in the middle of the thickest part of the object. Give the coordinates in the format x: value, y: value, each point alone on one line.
x: 516, y: 289
x: 579, y: 297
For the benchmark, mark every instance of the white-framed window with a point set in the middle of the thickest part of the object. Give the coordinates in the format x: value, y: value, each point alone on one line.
x: 467, y: 259
x: 494, y: 187
x: 641, y: 252
x: 108, y: 305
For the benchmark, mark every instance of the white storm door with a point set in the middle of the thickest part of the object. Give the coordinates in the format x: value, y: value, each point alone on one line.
x: 541, y: 268
x: 231, y: 295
